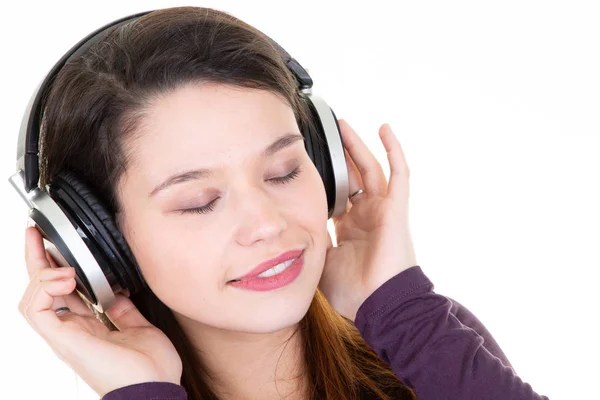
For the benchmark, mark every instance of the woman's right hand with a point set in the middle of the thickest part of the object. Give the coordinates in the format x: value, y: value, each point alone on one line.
x: 106, y: 360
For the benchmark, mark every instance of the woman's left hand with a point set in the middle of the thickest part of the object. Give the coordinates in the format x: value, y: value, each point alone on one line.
x: 373, y: 235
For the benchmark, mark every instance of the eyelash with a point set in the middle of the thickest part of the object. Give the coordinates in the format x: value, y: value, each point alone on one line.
x: 211, y: 206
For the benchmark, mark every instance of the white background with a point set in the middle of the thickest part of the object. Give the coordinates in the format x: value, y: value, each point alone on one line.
x: 496, y: 105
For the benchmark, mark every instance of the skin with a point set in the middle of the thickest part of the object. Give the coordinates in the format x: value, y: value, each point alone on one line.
x: 242, y: 333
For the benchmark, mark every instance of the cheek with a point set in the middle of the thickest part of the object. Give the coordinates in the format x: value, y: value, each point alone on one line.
x: 175, y: 256
x: 312, y: 211
x: 315, y: 198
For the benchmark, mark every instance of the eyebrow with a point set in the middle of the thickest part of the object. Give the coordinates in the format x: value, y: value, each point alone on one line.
x: 279, y: 144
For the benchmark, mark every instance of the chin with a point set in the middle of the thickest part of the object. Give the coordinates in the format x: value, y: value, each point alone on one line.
x: 274, y: 322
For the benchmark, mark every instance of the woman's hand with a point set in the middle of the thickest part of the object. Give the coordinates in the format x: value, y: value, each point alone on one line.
x: 106, y: 360
x: 374, y: 241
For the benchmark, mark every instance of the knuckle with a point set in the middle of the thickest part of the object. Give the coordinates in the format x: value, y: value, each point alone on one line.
x: 49, y: 274
x: 36, y: 276
x: 48, y: 286
x: 46, y: 274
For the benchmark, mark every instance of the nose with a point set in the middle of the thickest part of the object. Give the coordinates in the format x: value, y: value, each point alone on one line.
x: 259, y: 217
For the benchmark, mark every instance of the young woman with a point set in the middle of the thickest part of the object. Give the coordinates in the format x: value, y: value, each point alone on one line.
x: 188, y: 125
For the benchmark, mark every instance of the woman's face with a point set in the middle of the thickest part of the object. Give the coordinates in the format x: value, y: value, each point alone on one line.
x: 190, y: 258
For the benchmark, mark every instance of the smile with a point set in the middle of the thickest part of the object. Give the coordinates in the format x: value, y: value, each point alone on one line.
x: 276, y: 277
x: 277, y: 269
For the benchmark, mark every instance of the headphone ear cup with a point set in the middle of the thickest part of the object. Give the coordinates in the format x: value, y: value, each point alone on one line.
x: 325, y: 147
x: 89, y: 212
x: 318, y: 151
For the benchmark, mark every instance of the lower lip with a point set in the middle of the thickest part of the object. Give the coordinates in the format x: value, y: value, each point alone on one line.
x: 273, y: 282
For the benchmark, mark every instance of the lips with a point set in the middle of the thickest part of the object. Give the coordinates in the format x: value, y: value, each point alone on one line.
x: 262, y: 267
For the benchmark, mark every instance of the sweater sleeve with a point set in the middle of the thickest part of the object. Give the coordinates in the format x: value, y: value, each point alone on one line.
x: 148, y: 391
x: 471, y: 321
x: 414, y: 330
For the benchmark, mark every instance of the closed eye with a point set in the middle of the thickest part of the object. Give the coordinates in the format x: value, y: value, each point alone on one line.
x: 288, y: 178
x: 210, y: 206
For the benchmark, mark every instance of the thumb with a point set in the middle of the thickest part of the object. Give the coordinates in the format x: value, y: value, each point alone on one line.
x: 124, y: 314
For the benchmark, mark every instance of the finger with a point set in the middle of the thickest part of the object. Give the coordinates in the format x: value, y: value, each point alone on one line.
x: 47, y: 274
x: 369, y: 168
x: 35, y: 253
x: 58, y: 301
x: 399, y: 171
x: 36, y: 304
x: 38, y: 266
x: 124, y: 314
x: 43, y: 275
x: 73, y: 301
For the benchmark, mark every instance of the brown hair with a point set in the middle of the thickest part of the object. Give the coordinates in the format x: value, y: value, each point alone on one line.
x: 95, y: 105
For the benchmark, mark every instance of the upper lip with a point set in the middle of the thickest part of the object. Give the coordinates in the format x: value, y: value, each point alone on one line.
x: 262, y: 267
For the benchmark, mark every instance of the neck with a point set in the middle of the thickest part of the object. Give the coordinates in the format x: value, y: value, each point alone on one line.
x: 249, y: 366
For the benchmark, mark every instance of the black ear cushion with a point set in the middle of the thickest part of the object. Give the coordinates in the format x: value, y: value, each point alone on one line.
x: 103, y: 221
x: 318, y: 150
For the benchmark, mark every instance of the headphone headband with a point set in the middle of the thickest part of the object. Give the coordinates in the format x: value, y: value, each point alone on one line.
x: 29, y: 133
x: 79, y: 230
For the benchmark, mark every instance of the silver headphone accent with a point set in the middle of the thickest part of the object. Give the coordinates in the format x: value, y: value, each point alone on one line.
x: 338, y: 160
x: 41, y: 204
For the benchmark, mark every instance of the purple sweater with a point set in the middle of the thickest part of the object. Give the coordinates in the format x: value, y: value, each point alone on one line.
x: 432, y: 343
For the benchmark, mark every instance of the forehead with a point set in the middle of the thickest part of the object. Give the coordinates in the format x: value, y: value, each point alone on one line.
x: 209, y: 123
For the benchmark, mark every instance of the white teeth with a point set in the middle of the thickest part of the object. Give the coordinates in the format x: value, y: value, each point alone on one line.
x: 276, y: 269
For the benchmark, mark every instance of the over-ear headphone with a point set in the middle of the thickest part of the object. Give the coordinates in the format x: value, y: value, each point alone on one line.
x: 79, y: 230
